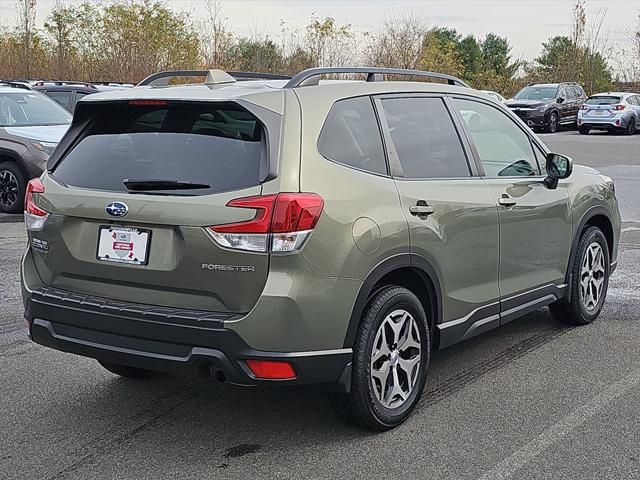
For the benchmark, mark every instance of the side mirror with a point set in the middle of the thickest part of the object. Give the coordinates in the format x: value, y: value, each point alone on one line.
x: 560, y: 100
x: 559, y: 167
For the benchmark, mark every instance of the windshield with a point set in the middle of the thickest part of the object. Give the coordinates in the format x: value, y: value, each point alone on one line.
x: 603, y: 100
x: 25, y: 109
x: 198, y: 149
x: 537, y: 93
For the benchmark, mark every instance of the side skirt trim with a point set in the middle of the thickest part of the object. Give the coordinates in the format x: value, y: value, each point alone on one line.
x: 487, y: 317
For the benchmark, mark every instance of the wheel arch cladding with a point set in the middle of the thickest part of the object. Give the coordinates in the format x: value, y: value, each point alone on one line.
x: 407, y: 270
x: 11, y: 156
x: 594, y: 217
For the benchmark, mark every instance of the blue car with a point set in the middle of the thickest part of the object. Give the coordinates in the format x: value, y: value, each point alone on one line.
x: 612, y: 111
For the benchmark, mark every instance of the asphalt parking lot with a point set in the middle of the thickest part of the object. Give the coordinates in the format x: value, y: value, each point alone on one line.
x: 534, y: 399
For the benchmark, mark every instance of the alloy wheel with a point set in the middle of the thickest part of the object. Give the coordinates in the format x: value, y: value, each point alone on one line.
x: 592, y: 276
x: 395, y: 359
x: 553, y: 123
x: 8, y: 188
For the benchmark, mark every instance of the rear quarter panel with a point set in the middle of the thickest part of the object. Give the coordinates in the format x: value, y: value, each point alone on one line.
x: 362, y: 223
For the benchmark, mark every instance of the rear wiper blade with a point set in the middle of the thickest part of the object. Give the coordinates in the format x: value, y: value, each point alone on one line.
x: 156, y: 184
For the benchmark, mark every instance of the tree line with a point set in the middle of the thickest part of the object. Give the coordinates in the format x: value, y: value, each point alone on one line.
x: 125, y: 40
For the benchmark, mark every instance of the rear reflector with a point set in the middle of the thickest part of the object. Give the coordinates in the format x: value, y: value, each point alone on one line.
x: 282, y: 222
x: 271, y: 369
x: 34, y: 216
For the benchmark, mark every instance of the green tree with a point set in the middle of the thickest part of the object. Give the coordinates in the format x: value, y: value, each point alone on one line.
x: 562, y: 60
x: 496, y: 56
x: 256, y: 56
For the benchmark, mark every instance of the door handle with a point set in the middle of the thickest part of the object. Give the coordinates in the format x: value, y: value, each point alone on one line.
x: 507, y: 201
x: 421, y: 209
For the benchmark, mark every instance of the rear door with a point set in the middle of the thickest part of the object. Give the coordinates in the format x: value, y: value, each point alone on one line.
x: 566, y: 107
x: 145, y: 244
x: 452, y: 218
x: 535, y: 221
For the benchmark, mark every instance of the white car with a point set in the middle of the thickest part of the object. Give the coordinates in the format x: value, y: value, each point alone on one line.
x: 495, y: 95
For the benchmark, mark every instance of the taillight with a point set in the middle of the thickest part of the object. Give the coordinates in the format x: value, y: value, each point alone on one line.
x: 281, y: 224
x: 619, y: 107
x: 272, y: 369
x: 34, y: 216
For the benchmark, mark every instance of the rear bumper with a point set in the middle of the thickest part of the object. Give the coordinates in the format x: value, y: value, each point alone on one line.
x: 607, y: 124
x: 126, y: 335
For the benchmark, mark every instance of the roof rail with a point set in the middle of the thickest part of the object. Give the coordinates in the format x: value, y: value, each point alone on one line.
x: 311, y: 76
x: 162, y: 78
x: 42, y: 83
x: 13, y: 84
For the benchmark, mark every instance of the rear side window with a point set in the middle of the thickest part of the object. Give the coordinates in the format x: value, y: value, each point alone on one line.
x: 62, y: 97
x: 351, y: 136
x: 219, y: 145
x: 425, y: 138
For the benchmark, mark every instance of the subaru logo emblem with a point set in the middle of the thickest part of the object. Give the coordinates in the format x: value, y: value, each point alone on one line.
x: 116, y: 209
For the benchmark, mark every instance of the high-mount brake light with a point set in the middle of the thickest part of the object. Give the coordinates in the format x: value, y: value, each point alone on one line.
x: 34, y: 216
x: 148, y: 102
x: 281, y: 224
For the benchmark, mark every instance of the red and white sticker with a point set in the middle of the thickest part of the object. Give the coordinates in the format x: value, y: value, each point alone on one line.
x: 123, y: 245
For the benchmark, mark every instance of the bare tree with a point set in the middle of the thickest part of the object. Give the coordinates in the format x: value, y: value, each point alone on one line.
x: 399, y: 42
x: 217, y: 39
x: 26, y: 11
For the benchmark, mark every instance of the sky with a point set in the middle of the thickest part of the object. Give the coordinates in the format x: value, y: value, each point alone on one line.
x: 526, y: 23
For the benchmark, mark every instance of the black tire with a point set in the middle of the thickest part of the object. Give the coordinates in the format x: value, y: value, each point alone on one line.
x: 575, y: 312
x: 128, y: 372
x: 361, y: 406
x: 584, y: 130
x: 11, y: 178
x: 552, y: 123
x: 631, y: 127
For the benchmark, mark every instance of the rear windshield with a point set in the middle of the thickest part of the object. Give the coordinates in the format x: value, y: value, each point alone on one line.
x: 603, y: 100
x: 219, y: 146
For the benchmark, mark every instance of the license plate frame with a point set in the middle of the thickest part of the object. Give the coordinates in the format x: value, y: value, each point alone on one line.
x: 135, y: 241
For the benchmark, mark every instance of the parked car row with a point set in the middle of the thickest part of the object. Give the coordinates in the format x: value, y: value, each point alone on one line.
x: 67, y: 93
x: 31, y: 124
x: 547, y: 106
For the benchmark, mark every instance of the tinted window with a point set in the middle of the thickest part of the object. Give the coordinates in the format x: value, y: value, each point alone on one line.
x: 537, y: 93
x: 578, y: 91
x: 220, y: 145
x: 563, y: 93
x: 63, y: 98
x: 18, y: 109
x: 504, y: 149
x: 351, y: 136
x: 425, y: 138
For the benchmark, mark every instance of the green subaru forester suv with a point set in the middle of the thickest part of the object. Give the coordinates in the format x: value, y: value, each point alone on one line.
x: 295, y: 231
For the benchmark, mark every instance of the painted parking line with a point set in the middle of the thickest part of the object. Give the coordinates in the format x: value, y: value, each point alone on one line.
x: 510, y: 465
